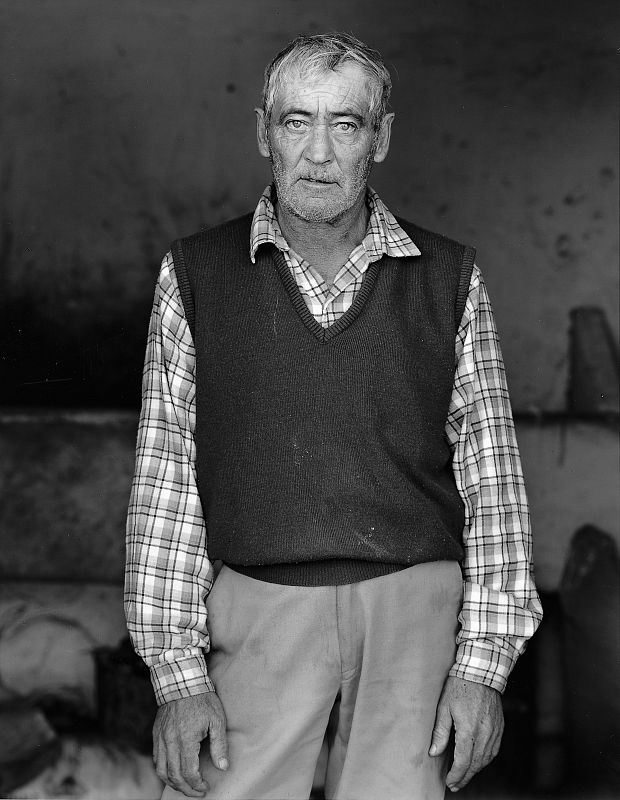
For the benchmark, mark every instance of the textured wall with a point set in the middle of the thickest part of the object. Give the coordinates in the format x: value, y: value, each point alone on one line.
x: 65, y: 482
x: 125, y: 124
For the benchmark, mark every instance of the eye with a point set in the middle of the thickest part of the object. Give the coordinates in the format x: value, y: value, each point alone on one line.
x: 346, y: 127
x: 295, y: 124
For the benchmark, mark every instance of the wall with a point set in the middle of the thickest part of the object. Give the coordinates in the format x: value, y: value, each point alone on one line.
x: 125, y: 124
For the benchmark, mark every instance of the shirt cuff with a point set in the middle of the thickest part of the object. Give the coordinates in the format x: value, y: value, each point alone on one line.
x: 487, y: 661
x: 181, y: 678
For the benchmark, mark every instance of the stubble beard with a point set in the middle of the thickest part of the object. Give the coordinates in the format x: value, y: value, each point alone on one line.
x: 327, y: 210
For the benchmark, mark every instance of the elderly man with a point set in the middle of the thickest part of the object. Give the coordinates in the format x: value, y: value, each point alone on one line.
x: 325, y: 413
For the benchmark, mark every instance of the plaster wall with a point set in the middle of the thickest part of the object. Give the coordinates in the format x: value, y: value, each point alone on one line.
x: 126, y: 124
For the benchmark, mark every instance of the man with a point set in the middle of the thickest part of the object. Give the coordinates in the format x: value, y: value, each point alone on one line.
x: 325, y: 412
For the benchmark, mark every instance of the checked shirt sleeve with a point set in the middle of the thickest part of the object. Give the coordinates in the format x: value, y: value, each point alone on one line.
x: 501, y: 609
x: 168, y: 574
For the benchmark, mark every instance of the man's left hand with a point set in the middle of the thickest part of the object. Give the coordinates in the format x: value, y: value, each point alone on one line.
x: 475, y: 712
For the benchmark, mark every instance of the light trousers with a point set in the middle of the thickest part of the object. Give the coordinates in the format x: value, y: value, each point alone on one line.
x: 362, y: 663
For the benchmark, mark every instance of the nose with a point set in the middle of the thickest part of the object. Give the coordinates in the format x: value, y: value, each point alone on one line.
x: 319, y: 148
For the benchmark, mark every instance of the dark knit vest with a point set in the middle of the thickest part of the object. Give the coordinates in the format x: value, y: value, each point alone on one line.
x: 321, y: 453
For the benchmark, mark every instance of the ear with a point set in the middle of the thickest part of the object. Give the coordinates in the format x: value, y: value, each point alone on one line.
x: 261, y: 133
x: 383, y: 140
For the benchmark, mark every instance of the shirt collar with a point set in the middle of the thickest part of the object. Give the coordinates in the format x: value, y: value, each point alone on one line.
x: 384, y: 236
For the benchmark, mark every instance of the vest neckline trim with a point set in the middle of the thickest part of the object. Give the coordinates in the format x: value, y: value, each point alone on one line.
x: 325, y: 335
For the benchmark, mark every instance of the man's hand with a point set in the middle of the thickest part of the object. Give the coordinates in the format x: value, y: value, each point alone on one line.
x: 476, y: 713
x: 180, y: 726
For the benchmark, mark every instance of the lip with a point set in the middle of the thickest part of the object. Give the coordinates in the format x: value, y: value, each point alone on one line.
x: 313, y: 182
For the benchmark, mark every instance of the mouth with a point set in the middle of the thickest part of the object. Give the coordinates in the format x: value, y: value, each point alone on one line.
x: 317, y: 181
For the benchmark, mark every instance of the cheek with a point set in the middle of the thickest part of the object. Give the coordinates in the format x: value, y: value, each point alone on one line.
x: 353, y: 158
x: 287, y: 149
x: 354, y: 165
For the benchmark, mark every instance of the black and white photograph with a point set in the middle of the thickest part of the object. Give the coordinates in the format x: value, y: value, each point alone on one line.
x: 309, y: 400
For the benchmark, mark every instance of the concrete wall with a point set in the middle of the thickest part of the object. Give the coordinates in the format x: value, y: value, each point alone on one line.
x: 124, y: 124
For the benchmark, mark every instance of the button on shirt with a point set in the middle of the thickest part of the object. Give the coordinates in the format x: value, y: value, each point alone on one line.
x: 168, y: 573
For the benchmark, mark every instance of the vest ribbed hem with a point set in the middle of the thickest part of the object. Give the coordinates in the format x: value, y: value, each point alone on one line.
x: 331, y: 572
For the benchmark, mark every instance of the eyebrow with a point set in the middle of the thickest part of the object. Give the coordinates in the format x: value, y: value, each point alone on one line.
x: 332, y: 115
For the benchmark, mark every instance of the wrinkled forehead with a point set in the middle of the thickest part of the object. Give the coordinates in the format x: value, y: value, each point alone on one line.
x: 311, y: 88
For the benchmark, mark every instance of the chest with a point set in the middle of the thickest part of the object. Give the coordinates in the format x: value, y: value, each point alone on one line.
x: 257, y: 339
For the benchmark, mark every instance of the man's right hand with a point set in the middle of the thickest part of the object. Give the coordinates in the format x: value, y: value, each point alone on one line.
x: 180, y: 726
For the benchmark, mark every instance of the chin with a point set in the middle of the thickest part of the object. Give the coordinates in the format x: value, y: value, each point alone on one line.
x: 318, y: 210
x: 318, y: 214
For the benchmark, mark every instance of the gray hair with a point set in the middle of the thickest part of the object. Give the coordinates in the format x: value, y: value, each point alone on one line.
x: 323, y: 52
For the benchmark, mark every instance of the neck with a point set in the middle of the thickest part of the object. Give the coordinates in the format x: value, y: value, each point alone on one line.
x: 325, y: 245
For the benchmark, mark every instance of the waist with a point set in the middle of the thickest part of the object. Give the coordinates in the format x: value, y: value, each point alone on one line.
x: 327, y: 572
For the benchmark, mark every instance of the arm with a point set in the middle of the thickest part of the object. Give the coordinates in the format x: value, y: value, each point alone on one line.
x: 167, y: 569
x: 168, y: 574
x: 500, y: 609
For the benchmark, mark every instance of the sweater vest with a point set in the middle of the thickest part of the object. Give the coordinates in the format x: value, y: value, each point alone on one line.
x: 321, y: 455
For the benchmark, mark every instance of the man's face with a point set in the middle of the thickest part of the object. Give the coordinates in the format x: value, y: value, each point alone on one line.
x: 322, y: 143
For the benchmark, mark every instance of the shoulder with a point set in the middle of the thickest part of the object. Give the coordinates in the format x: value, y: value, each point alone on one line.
x: 442, y: 253
x: 430, y: 240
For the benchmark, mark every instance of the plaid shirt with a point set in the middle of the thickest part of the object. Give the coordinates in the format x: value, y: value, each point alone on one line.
x: 168, y: 572
x: 326, y: 304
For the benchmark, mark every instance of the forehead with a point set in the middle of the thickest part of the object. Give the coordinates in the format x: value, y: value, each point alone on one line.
x: 346, y: 87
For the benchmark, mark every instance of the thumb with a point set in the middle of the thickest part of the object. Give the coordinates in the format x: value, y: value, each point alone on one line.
x: 218, y: 745
x: 441, y: 731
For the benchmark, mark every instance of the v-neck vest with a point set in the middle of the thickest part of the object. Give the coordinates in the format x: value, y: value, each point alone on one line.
x: 321, y: 454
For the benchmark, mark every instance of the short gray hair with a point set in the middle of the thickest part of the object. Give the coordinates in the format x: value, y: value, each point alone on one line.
x: 321, y: 53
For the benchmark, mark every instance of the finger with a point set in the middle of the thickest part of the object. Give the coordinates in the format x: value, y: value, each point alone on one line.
x: 476, y: 763
x: 495, y: 744
x: 160, y: 761
x: 218, y: 743
x: 485, y: 744
x: 463, y: 749
x: 190, y: 767
x: 175, y: 777
x: 441, y: 730
x: 487, y: 755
